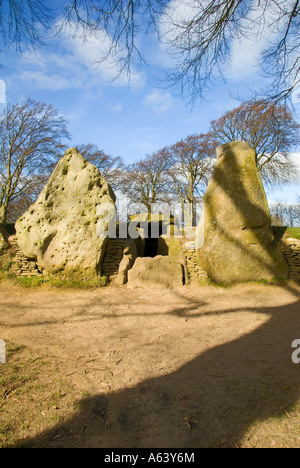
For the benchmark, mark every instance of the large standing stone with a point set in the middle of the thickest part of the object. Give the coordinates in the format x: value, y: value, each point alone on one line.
x: 60, y: 230
x: 234, y: 237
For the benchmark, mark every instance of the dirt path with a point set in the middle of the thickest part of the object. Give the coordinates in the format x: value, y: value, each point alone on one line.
x: 120, y: 367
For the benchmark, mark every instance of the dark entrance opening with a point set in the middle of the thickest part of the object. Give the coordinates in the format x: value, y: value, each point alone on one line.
x: 151, y: 243
x: 151, y: 247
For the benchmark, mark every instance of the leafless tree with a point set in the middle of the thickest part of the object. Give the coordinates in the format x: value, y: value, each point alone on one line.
x: 17, y: 206
x: 191, y: 169
x: 147, y: 181
x: 174, y: 174
x: 285, y: 214
x: 277, y: 213
x: 32, y: 136
x: 269, y: 128
x: 292, y: 214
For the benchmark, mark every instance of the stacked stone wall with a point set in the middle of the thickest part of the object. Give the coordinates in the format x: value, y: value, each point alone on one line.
x: 22, y: 266
x: 113, y: 257
x: 194, y: 270
x: 291, y: 251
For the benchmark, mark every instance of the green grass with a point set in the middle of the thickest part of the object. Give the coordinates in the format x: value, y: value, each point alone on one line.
x: 283, y: 232
x: 293, y: 232
x: 39, y: 281
x: 262, y: 281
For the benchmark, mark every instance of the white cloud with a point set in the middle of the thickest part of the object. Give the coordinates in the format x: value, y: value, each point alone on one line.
x: 53, y: 82
x: 116, y: 108
x: 2, y: 92
x: 244, y: 58
x: 88, y: 50
x: 72, y: 65
x: 144, y: 147
x: 263, y: 26
x: 159, y: 101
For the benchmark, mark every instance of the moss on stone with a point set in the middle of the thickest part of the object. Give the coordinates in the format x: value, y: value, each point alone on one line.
x: 60, y: 229
x: 234, y: 236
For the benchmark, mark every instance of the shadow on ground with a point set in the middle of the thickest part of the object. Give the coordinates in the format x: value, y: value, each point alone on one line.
x: 211, y: 401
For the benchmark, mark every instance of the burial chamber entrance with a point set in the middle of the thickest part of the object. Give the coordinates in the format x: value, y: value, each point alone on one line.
x: 152, y: 233
x: 115, y: 246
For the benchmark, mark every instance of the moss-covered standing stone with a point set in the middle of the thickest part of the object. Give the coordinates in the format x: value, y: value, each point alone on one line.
x: 234, y: 236
x: 59, y: 231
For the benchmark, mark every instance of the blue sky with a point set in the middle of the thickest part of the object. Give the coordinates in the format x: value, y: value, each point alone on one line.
x: 127, y: 120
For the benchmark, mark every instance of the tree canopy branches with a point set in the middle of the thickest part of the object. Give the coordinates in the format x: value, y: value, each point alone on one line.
x: 202, y: 43
x: 32, y: 135
x: 121, y: 20
x: 23, y: 23
x: 147, y: 181
x: 269, y: 128
x: 198, y: 34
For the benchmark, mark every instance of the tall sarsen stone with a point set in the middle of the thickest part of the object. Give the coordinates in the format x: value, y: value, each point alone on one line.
x: 59, y: 231
x: 234, y: 237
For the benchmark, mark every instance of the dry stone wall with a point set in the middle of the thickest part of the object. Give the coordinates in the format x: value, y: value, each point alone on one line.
x: 194, y: 270
x: 291, y: 251
x: 289, y: 247
x: 113, y: 257
x: 22, y: 266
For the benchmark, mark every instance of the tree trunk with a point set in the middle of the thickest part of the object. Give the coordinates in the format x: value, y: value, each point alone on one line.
x: 3, y: 214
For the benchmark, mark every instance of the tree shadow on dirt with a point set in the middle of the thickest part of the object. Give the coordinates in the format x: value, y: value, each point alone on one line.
x: 209, y: 402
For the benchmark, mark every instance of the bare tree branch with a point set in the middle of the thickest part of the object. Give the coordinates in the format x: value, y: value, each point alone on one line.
x: 192, y: 167
x: 198, y: 34
x: 269, y: 128
x: 23, y: 23
x: 285, y: 214
x: 31, y: 135
x: 147, y: 181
